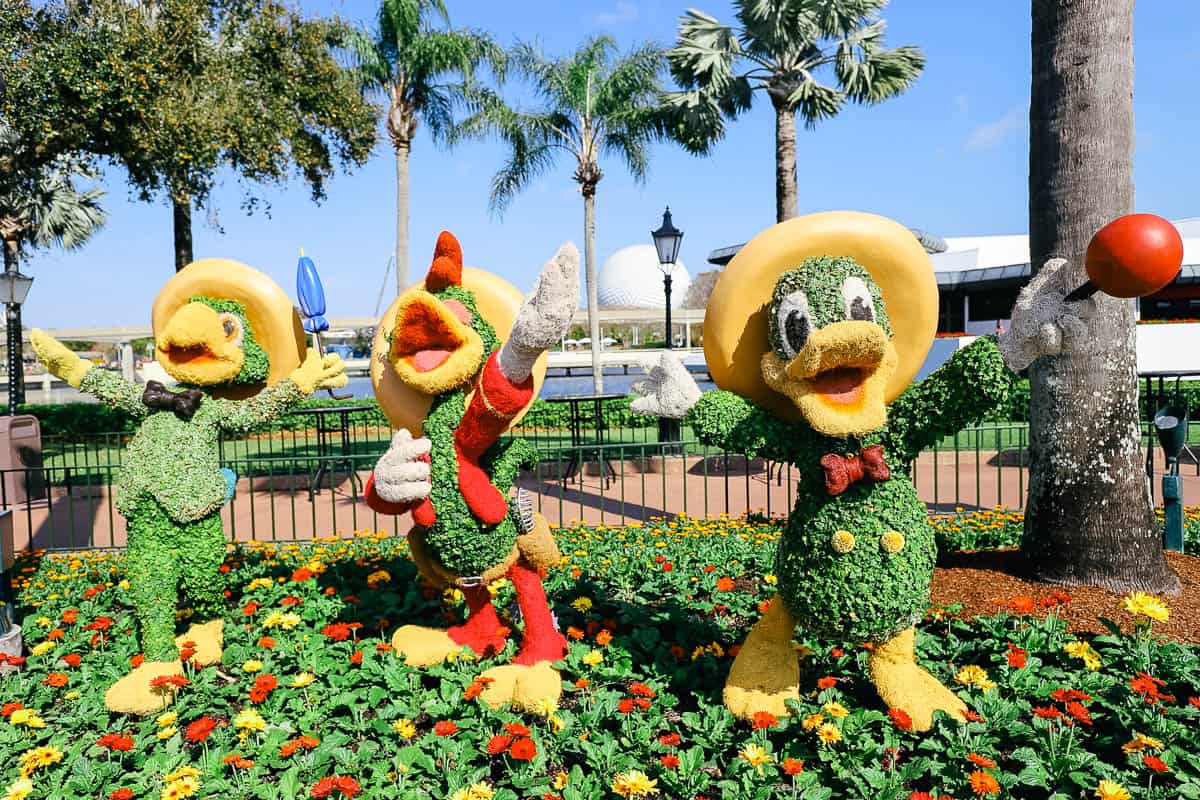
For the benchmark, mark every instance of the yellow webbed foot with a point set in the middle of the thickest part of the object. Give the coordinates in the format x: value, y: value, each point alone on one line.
x: 533, y: 689
x: 207, y: 640
x: 423, y: 647
x: 904, y: 685
x: 134, y: 694
x: 766, y: 672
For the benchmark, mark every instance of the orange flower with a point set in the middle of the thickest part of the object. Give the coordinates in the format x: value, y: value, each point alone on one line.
x: 791, y: 766
x: 764, y: 720
x: 724, y: 584
x: 983, y: 784
x: 56, y: 679
x: 828, y: 682
x: 603, y: 638
x: 267, y: 643
x: 981, y: 761
x: 445, y: 728
x: 574, y: 633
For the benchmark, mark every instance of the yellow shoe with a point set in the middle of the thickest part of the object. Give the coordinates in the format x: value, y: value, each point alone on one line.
x: 133, y: 694
x: 534, y: 689
x: 904, y: 685
x: 423, y: 647
x: 766, y: 672
x: 208, y: 640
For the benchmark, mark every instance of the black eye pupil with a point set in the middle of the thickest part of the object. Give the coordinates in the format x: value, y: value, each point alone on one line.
x: 796, y: 329
x: 230, y: 328
x: 860, y: 310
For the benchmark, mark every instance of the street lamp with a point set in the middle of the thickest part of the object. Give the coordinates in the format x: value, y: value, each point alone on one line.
x: 666, y: 241
x: 13, y: 290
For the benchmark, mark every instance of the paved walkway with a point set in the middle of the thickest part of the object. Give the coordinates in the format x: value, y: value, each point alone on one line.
x: 281, y: 508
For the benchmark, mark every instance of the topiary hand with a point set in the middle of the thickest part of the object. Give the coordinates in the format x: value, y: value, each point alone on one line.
x: 667, y: 391
x: 402, y: 473
x: 59, y: 361
x: 320, y: 372
x: 1043, y: 324
x: 544, y: 316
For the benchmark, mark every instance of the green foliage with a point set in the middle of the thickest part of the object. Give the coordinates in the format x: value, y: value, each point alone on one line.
x: 821, y: 279
x: 783, y: 49
x: 675, y: 595
x: 257, y: 364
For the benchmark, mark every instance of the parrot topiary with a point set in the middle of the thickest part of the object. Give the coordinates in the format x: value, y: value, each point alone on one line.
x: 814, y: 333
x: 457, y: 360
x: 223, y: 331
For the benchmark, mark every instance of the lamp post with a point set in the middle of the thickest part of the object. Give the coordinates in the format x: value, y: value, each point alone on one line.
x: 14, y: 290
x: 666, y: 241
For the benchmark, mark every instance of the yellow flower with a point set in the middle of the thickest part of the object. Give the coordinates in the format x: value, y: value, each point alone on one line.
x: 167, y: 720
x: 1140, y: 604
x: 184, y: 787
x: 974, y: 675
x: 770, y: 580
x: 39, y: 757
x: 836, y: 710
x: 41, y: 648
x: 249, y: 720
x: 560, y: 781
x: 72, y: 695
x: 405, y: 728
x: 303, y: 679
x: 754, y: 755
x: 252, y: 665
x: 634, y: 783
x: 592, y: 657
x: 1111, y: 790
x: 44, y: 622
x: 812, y: 721
x: 19, y: 789
x: 167, y: 733
x: 1140, y: 742
x: 377, y: 577
x: 1084, y: 651
x: 892, y: 542
x: 124, y: 584
x: 480, y: 791
x: 582, y: 604
x: 184, y: 771
x: 829, y: 733
x: 260, y: 583
x: 27, y: 717
x: 842, y: 542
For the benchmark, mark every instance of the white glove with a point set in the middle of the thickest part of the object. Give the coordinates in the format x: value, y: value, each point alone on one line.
x: 667, y: 391
x: 1044, y: 325
x: 400, y: 475
x: 545, y: 315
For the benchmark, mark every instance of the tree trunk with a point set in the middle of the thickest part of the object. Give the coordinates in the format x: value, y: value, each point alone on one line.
x: 589, y: 266
x: 786, y: 205
x: 182, y: 206
x: 402, y: 152
x: 1089, y: 518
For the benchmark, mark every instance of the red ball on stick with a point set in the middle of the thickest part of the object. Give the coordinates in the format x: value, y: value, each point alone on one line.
x: 1132, y: 256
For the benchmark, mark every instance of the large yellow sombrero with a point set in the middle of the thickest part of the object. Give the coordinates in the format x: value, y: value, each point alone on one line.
x: 497, y: 301
x: 735, y: 323
x: 273, y: 318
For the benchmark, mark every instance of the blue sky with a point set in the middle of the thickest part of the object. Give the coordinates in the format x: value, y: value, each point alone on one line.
x: 950, y: 156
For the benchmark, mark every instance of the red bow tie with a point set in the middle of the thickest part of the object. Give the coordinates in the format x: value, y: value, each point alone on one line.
x: 841, y: 471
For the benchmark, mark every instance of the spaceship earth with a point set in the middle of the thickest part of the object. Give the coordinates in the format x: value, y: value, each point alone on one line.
x: 632, y: 277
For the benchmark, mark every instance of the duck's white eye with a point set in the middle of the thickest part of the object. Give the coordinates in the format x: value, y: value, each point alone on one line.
x: 857, y: 299
x: 232, y: 327
x: 795, y: 322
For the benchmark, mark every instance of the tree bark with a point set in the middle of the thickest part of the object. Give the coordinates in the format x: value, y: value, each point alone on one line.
x: 402, y: 152
x: 786, y: 205
x: 589, y: 262
x: 1089, y: 518
x: 182, y: 208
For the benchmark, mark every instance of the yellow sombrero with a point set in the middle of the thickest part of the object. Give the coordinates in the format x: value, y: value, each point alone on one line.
x: 273, y: 318
x: 497, y: 301
x: 735, y: 324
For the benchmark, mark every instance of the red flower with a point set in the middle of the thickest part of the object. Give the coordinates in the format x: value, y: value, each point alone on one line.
x: 523, y: 749
x: 1148, y: 687
x: 199, y: 730
x: 1046, y: 712
x: 7, y: 709
x: 56, y: 634
x: 70, y: 616
x: 516, y: 729
x: 263, y: 686
x: 337, y: 631
x: 1155, y: 763
x: 301, y: 575
x: 186, y: 653
x: 56, y: 679
x: 667, y: 567
x: 670, y: 739
x: 356, y: 658
x: 763, y: 720
x: 100, y: 624
x: 291, y: 600
x: 1078, y: 712
x: 828, y: 682
x: 289, y: 748
x: 626, y: 705
x: 724, y: 584
x: 981, y: 761
x: 1022, y: 605
x: 445, y: 728
x: 116, y: 741
x: 920, y: 796
x: 642, y: 703
x: 1016, y: 656
x: 792, y: 766
x: 121, y: 794
x: 498, y: 744
x: 165, y: 681
x: 251, y: 608
x: 16, y: 661
x: 1194, y: 701
x: 901, y: 719
x: 971, y: 715
x: 640, y: 689
x: 348, y: 787
x: 1071, y: 695
x: 669, y: 761
x: 266, y: 642
x: 837, y: 652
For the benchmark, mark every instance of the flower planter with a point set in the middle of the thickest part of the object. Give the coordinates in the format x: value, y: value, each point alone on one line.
x: 11, y: 644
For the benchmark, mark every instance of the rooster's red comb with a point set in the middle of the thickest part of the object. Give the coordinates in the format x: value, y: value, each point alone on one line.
x: 446, y: 269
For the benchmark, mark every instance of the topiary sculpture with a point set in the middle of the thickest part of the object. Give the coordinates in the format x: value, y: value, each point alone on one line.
x: 813, y: 334
x: 223, y: 331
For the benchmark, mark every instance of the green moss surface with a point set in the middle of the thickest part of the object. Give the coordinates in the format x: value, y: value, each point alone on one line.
x: 257, y: 365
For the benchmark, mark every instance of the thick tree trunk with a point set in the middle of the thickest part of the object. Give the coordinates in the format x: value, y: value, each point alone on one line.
x: 182, y: 207
x: 589, y: 262
x: 1089, y: 518
x: 402, y: 152
x: 786, y: 205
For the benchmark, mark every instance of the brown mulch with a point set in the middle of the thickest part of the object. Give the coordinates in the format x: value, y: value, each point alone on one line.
x: 979, y: 579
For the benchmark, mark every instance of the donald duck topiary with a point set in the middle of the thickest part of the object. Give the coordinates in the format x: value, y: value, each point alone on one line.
x: 813, y: 334
x: 457, y: 361
x: 231, y: 338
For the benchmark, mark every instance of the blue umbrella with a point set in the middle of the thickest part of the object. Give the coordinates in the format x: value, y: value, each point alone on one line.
x: 312, y: 305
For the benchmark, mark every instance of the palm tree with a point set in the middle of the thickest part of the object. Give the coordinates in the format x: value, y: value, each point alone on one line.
x: 594, y: 101
x: 780, y: 47
x: 1089, y: 516
x: 422, y: 72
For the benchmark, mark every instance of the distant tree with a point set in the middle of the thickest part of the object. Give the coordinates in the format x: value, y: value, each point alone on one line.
x: 781, y: 47
x: 423, y: 73
x: 593, y: 101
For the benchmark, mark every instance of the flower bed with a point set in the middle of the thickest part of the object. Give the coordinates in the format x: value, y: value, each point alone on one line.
x: 310, y: 703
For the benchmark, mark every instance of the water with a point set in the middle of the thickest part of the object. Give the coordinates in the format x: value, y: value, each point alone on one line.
x: 615, y: 382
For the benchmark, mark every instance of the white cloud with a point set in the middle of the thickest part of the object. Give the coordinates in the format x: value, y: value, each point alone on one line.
x: 985, y: 137
x: 624, y: 13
